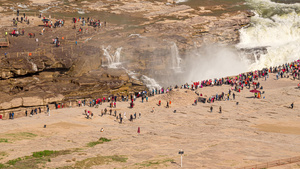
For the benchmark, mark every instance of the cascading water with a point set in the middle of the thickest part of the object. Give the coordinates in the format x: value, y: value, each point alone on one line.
x: 275, y: 26
x: 23, y: 6
x: 113, y: 61
x: 150, y: 83
x: 131, y: 74
x: 88, y: 39
x: 46, y: 9
x: 136, y: 35
x: 180, y: 1
x: 34, y: 66
x: 273, y: 38
x: 176, y: 60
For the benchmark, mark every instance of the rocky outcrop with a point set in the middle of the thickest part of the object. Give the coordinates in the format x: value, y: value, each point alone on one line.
x: 181, y: 10
x: 98, y: 6
x: 29, y: 102
x: 207, y: 29
x: 105, y: 82
x: 40, y: 80
x: 34, y: 92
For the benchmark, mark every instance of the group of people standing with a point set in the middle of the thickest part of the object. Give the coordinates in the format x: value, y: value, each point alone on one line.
x: 21, y: 19
x: 38, y: 110
x: 91, y: 21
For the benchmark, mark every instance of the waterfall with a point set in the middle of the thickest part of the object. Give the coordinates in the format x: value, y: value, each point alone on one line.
x: 255, y: 57
x: 276, y: 26
x: 34, y: 66
x: 175, y: 58
x: 131, y: 74
x: 150, y: 83
x: 113, y: 61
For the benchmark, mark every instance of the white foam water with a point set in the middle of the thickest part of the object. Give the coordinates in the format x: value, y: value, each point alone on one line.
x: 276, y: 26
x: 131, y: 74
x: 136, y: 35
x: 180, y: 1
x: 150, y: 82
x: 113, y: 61
x: 34, y: 66
x: 22, y: 6
x: 81, y: 12
x: 88, y: 39
x: 46, y: 9
x: 175, y: 58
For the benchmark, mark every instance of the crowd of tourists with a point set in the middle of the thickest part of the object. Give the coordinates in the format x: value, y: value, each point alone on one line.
x: 34, y: 111
x: 249, y: 80
x: 112, y: 102
x: 92, y: 22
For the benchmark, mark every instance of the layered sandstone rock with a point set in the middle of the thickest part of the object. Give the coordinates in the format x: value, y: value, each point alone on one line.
x: 210, y: 29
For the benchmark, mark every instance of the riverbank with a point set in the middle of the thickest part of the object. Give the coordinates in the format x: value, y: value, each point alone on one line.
x: 254, y: 131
